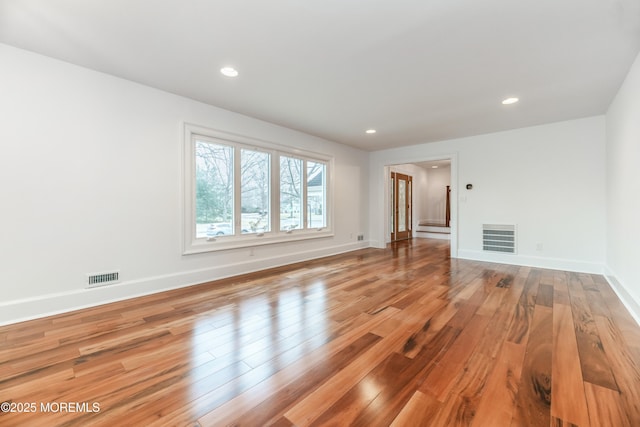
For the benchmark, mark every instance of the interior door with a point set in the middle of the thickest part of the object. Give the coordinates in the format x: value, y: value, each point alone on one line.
x: 401, y: 188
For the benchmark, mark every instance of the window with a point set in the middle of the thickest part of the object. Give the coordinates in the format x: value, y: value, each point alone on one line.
x: 290, y: 193
x: 255, y: 187
x: 242, y: 192
x: 316, y: 191
x: 214, y: 187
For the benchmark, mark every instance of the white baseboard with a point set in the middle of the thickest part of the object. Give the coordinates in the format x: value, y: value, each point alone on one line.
x: 532, y: 261
x: 51, y: 304
x: 377, y: 244
x: 428, y: 235
x: 629, y: 302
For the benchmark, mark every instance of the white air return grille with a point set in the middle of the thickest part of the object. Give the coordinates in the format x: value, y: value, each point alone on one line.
x: 499, y: 238
x: 102, y: 279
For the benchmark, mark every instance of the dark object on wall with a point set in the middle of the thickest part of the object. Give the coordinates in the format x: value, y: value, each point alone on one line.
x: 469, y: 186
x: 447, y: 214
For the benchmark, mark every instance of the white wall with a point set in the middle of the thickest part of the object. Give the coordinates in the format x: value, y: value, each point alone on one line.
x: 436, y: 194
x: 623, y: 191
x: 548, y: 180
x: 90, y: 180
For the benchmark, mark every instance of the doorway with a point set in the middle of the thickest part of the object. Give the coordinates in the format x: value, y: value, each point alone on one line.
x: 401, y: 199
x: 383, y: 221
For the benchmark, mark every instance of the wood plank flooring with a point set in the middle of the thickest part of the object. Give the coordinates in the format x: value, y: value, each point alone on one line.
x: 403, y: 336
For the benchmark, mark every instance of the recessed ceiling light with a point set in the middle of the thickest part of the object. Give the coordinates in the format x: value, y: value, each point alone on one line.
x: 510, y: 101
x: 229, y: 72
x: 434, y: 167
x: 370, y: 131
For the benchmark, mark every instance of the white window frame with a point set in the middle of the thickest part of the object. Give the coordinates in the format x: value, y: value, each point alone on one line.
x: 194, y: 245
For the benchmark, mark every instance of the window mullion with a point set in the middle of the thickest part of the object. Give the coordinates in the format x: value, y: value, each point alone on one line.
x: 275, y: 192
x: 305, y: 203
x: 237, y: 191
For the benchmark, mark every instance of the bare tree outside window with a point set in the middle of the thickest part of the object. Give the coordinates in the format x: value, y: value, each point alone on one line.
x: 255, y: 173
x: 214, y: 185
x: 290, y: 193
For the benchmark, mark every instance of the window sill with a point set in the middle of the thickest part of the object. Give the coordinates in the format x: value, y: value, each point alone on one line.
x: 203, y: 245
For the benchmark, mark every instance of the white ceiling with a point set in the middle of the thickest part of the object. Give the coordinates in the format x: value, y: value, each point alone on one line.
x: 417, y: 71
x: 438, y: 163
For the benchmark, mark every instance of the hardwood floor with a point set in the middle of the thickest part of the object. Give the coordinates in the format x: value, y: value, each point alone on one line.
x: 403, y: 336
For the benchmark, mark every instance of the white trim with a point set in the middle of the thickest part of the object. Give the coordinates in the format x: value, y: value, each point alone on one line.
x: 628, y: 301
x: 429, y: 235
x: 377, y: 244
x: 532, y: 261
x: 250, y: 142
x: 248, y: 240
x: 51, y: 304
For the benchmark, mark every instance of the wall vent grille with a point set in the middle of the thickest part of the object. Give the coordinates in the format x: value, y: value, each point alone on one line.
x: 499, y: 238
x: 102, y: 279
